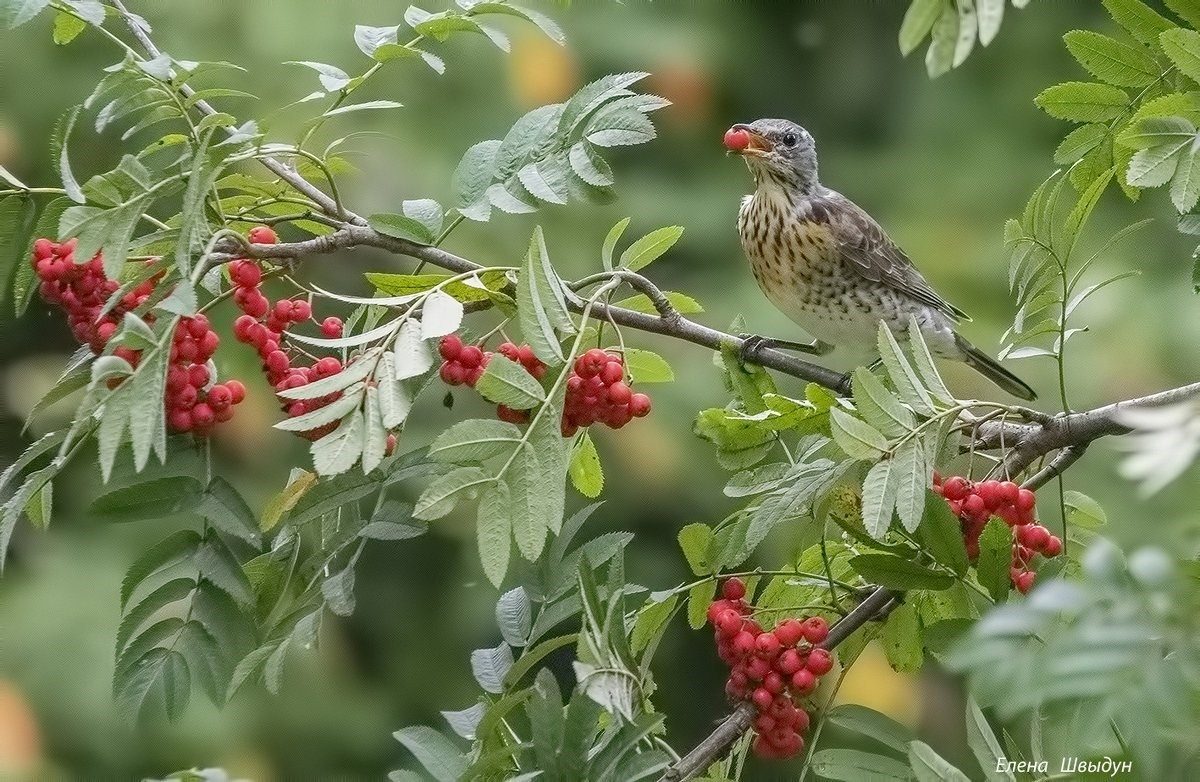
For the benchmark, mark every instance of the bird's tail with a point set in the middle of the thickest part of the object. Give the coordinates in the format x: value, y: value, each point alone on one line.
x: 988, y: 367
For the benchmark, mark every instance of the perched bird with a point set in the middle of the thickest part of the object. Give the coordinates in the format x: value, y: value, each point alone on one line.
x: 827, y: 265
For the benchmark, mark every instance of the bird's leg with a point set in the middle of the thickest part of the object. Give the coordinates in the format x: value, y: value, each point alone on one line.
x: 753, y: 344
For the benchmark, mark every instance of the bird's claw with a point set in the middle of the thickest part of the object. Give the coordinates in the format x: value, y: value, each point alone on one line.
x: 753, y: 345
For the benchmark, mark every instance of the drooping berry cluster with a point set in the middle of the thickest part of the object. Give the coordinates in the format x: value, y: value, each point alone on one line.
x: 192, y: 402
x: 81, y: 290
x: 596, y: 388
x: 597, y: 393
x: 771, y: 669
x: 264, y: 325
x: 975, y: 503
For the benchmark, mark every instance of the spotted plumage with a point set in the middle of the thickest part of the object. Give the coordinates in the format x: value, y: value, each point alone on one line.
x: 829, y: 266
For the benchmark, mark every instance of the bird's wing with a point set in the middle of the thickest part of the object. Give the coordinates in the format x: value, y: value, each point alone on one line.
x: 871, y: 253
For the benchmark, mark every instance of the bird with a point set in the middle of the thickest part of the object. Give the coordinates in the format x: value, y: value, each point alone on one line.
x: 829, y: 266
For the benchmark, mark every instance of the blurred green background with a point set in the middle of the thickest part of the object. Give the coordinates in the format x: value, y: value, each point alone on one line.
x: 941, y: 164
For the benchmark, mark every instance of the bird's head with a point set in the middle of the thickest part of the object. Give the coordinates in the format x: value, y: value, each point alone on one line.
x: 776, y: 149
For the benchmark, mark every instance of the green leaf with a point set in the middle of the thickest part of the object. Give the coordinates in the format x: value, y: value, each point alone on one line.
x: 1110, y: 60
x: 508, y: 383
x: 541, y: 305
x: 645, y: 366
x: 434, y: 751
x: 529, y: 488
x: 440, y: 497
x: 1079, y: 142
x: 918, y: 19
x: 896, y: 572
x: 24, y: 281
x: 15, y: 13
x: 494, y: 531
x: 1183, y: 47
x: 338, y: 591
x: 648, y: 248
x: 164, y: 554
x: 1083, y: 101
x: 610, y: 243
x: 474, y: 440
x: 904, y: 379
x: 1156, y: 131
x: 1155, y: 166
x: 153, y: 499
x: 161, y: 675
x: 991, y: 14
x: 364, y: 106
x: 1187, y: 10
x: 878, y: 406
x: 879, y: 498
x: 225, y: 508
x: 939, y: 57
x: 1135, y: 16
x: 857, y: 438
x: 924, y: 365
x: 901, y: 639
x: 872, y: 724
x: 587, y: 476
x: 983, y: 743
x: 514, y: 616
x: 62, y: 135
x: 651, y: 619
x: 336, y: 452
x: 217, y: 564
x: 472, y: 177
x: 1083, y: 511
x: 995, y: 556
x: 286, y: 499
x: 16, y: 224
x: 1185, y: 185
x: 683, y: 304
x: 699, y: 598
x: 401, y: 227
x: 941, y: 535
x: 929, y: 766
x: 852, y: 765
x: 695, y: 540
x: 911, y: 474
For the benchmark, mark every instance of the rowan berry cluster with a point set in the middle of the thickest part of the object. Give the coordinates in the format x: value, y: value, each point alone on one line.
x: 596, y: 388
x: 263, y: 326
x: 976, y: 503
x: 192, y: 402
x: 771, y: 669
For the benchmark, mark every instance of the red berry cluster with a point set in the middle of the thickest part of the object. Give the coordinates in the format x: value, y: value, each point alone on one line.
x: 81, y: 290
x: 975, y: 503
x: 192, y: 403
x: 596, y: 388
x: 597, y: 393
x: 263, y: 326
x: 770, y: 668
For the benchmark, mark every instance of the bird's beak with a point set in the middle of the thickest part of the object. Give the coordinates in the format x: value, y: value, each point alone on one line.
x: 759, y: 146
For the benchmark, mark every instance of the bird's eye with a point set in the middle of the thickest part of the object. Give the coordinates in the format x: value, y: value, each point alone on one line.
x: 789, y: 139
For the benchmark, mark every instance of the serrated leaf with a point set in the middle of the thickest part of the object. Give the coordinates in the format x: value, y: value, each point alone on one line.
x: 901, y: 639
x: 1183, y: 47
x: 514, y: 616
x: 587, y: 476
x: 1079, y: 142
x: 895, y: 572
x: 682, y: 303
x: 474, y: 440
x: 852, y: 765
x: 879, y: 498
x: 1135, y: 16
x: 645, y: 366
x: 436, y: 754
x: 1083, y: 101
x: 1110, y: 60
x: 541, y: 305
x: 941, y: 535
x: 494, y: 531
x: 610, y: 243
x: 878, y: 406
x: 508, y: 383
x: 995, y: 556
x: 872, y: 724
x: 918, y: 20
x: 939, y: 57
x: 858, y: 439
x: 440, y: 497
x: 929, y: 766
x: 911, y: 476
x: 152, y: 499
x: 338, y: 591
x: 695, y: 541
x: 649, y: 247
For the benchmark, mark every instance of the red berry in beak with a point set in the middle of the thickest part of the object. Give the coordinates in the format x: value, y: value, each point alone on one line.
x: 736, y: 139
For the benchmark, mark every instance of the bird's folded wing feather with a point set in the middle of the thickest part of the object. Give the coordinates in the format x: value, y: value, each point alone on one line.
x: 871, y: 253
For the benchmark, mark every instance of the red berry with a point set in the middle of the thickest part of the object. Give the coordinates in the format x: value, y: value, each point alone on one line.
x: 471, y: 356
x: 639, y: 405
x: 789, y: 661
x: 1053, y: 546
x: 245, y: 274
x: 820, y: 662
x: 764, y: 723
x: 736, y: 139
x: 262, y: 235
x: 1025, y: 500
x: 1009, y: 492
x: 733, y: 589
x: 816, y: 629
x: 762, y: 697
x: 772, y: 682
x: 975, y: 506
x: 332, y: 327
x: 789, y: 632
x: 757, y: 668
x: 512, y: 416
x: 278, y: 362
x: 955, y: 488
x: 180, y: 420
x: 989, y: 492
x: 328, y: 366
x: 1024, y: 581
x: 202, y: 415
x: 219, y: 397
x: 283, y: 309
x: 198, y: 375
x: 237, y: 391
x: 301, y: 310
x: 728, y: 622
x: 613, y: 371
x: 743, y: 644
x: 804, y: 682
x: 450, y: 347
x: 767, y: 645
